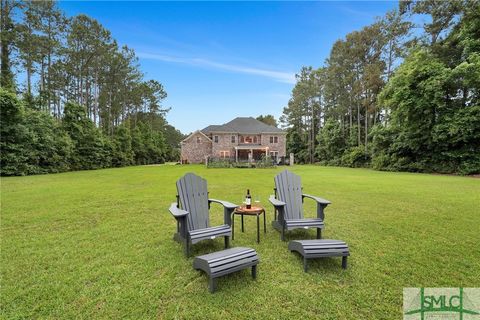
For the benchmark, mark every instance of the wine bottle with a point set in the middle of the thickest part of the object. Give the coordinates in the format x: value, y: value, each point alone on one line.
x: 248, y: 200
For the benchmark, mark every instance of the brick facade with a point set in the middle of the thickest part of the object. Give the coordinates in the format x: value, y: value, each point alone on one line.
x: 195, y: 148
x: 224, y: 144
x: 280, y: 146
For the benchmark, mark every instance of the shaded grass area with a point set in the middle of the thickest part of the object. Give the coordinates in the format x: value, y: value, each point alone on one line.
x: 99, y: 244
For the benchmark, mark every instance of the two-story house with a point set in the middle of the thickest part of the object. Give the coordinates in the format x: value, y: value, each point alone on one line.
x: 240, y: 139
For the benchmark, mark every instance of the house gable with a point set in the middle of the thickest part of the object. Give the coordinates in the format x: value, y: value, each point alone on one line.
x: 195, y: 148
x: 196, y: 133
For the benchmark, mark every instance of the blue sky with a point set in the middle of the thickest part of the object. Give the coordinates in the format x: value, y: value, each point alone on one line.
x: 220, y: 60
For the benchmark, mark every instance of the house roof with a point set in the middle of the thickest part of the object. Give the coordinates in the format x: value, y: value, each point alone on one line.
x: 194, y: 133
x: 243, y: 125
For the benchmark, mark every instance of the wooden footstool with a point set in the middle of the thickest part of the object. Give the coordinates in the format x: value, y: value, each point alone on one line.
x: 227, y: 261
x: 320, y: 248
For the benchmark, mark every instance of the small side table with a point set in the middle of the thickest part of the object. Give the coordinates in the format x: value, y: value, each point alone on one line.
x: 253, y: 211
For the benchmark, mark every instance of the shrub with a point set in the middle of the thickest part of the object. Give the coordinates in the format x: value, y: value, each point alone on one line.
x: 356, y: 157
x: 265, y: 162
x: 218, y: 163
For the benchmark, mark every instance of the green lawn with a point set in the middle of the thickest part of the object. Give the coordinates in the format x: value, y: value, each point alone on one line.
x: 98, y: 244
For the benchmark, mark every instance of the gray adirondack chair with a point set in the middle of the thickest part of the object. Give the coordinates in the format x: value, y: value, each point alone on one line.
x: 192, y: 213
x: 288, y: 203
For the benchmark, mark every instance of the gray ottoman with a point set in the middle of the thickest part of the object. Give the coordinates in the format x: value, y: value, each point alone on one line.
x: 320, y: 248
x: 227, y: 261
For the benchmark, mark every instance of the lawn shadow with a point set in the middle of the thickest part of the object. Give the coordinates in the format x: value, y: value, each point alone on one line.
x: 329, y: 264
x: 207, y: 246
x: 300, y: 234
x: 233, y: 282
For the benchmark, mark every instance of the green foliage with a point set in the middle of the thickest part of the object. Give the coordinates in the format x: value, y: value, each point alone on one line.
x: 296, y: 145
x: 421, y: 116
x: 148, y: 145
x: 219, y: 163
x: 356, y: 157
x: 32, y: 141
x: 268, y: 119
x: 432, y: 127
x: 13, y: 135
x: 91, y: 149
x: 49, y: 147
x: 265, y: 162
x: 122, y: 146
x: 82, y: 95
x: 331, y: 141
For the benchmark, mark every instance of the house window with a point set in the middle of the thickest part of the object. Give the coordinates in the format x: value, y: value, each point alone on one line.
x: 224, y: 154
x: 274, y: 155
x: 199, y: 140
x: 233, y: 139
x: 273, y: 139
x: 254, y: 139
x: 242, y: 139
x: 215, y: 139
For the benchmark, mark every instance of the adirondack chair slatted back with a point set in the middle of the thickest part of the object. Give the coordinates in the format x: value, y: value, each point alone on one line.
x: 193, y: 197
x: 289, y: 190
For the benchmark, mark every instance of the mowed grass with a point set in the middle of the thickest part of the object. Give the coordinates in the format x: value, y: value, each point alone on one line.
x: 98, y: 244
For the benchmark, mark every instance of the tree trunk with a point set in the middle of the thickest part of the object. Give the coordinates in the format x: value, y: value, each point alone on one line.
x: 366, y: 127
x: 29, y: 78
x: 6, y: 26
x: 359, y: 138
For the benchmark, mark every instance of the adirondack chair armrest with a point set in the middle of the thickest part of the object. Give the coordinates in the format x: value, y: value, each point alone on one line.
x: 177, y: 212
x: 225, y: 204
x: 317, y: 199
x: 228, y: 208
x: 276, y: 203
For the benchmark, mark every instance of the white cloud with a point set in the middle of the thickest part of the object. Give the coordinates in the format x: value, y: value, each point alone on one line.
x: 280, y: 76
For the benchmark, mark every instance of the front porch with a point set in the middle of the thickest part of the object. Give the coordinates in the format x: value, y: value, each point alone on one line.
x: 250, y: 153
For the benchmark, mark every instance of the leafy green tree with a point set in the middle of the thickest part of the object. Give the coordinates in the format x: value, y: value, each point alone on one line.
x: 91, y: 149
x: 7, y: 38
x: 49, y: 147
x: 296, y: 145
x: 122, y: 146
x: 13, y: 135
x: 443, y: 15
x: 268, y: 119
x: 431, y: 131
x: 331, y: 142
x: 303, y: 111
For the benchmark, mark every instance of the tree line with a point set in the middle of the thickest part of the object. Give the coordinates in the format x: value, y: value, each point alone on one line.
x: 72, y: 98
x: 395, y: 95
